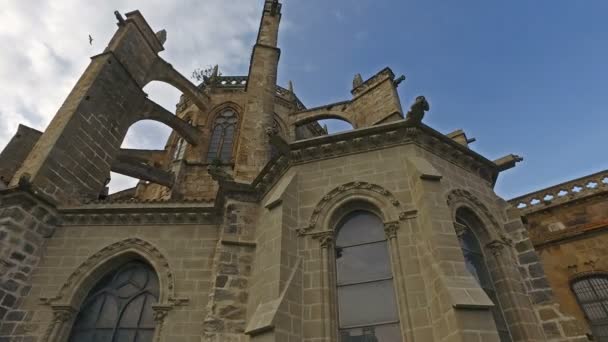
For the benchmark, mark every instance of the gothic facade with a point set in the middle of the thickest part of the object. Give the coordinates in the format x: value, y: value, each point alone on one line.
x: 256, y: 225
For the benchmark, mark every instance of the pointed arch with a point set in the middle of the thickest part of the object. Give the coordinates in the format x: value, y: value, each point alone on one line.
x: 224, y: 128
x: 82, y: 280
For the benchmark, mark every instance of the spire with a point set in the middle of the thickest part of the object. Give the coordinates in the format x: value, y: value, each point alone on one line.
x: 290, y: 87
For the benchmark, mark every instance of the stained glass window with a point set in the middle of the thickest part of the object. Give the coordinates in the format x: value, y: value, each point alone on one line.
x: 592, y: 295
x: 366, y: 296
x: 222, y: 136
x: 119, y: 307
x: 476, y: 264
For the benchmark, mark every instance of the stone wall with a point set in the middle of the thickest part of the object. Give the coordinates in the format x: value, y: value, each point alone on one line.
x: 569, y: 239
x: 26, y: 223
x: 16, y: 151
x: 181, y: 254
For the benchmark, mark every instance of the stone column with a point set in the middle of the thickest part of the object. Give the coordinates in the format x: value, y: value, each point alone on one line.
x: 160, y: 314
x: 62, y: 317
x: 326, y: 242
x: 390, y: 229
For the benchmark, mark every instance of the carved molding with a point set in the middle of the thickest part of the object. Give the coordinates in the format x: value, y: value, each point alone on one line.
x: 117, y: 215
x: 342, y: 189
x: 148, y: 250
x: 463, y: 196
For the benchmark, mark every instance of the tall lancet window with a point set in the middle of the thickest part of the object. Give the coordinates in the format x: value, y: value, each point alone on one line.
x: 222, y: 138
x: 467, y: 222
x: 592, y: 295
x: 119, y: 307
x: 366, y: 297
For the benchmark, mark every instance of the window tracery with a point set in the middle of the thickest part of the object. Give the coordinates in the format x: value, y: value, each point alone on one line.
x: 119, y: 307
x: 222, y: 137
x: 592, y: 295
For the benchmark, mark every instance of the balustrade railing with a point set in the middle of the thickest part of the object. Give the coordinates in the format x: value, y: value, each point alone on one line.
x: 564, y: 192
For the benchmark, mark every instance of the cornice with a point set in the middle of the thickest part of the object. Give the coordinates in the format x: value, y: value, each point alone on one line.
x: 155, y: 213
x: 544, y: 238
x: 374, y: 138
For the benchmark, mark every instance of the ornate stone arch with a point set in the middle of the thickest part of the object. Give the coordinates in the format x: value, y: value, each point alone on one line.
x: 66, y: 303
x: 463, y: 199
x: 322, y: 225
x: 350, y: 196
x: 77, y: 285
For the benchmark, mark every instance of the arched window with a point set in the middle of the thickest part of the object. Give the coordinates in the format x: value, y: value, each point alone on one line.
x: 592, y: 295
x: 119, y: 307
x: 476, y: 264
x: 366, y: 298
x: 222, y: 137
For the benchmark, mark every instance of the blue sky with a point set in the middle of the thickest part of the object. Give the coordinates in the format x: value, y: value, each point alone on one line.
x: 525, y: 77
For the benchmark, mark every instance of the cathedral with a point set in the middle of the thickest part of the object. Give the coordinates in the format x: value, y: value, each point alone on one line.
x: 256, y: 225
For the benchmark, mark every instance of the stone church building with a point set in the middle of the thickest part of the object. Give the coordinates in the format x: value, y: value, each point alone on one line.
x: 254, y: 224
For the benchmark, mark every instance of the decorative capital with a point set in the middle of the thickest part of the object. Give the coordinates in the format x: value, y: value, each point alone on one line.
x: 390, y: 229
x: 496, y: 247
x: 326, y: 239
x: 62, y: 313
x: 160, y: 312
x: 460, y: 229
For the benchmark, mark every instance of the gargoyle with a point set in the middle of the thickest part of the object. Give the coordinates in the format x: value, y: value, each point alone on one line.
x: 417, y: 110
x: 217, y: 173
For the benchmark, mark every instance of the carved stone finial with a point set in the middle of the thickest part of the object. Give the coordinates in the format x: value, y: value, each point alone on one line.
x: 357, y: 81
x: 418, y: 109
x: 121, y: 20
x: 162, y: 36
x: 290, y: 86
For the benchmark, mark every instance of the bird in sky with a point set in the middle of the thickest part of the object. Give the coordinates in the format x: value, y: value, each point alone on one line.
x: 90, y: 40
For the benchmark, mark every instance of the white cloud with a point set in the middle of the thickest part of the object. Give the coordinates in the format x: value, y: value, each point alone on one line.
x: 48, y: 49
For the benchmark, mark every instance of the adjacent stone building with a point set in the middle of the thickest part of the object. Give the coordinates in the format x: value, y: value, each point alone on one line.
x: 567, y: 225
x: 254, y: 224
